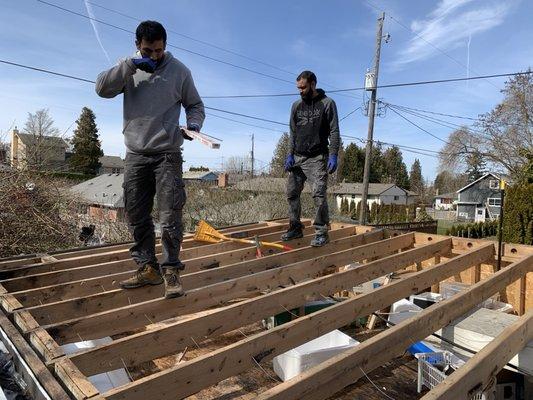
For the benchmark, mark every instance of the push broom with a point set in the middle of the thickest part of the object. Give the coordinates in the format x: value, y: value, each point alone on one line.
x: 206, y: 233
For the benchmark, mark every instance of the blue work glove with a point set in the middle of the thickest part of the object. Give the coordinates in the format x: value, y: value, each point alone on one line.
x: 289, y: 162
x: 145, y: 64
x: 332, y: 163
x: 193, y: 126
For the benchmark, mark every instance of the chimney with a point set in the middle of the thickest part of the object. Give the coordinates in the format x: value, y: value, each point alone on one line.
x: 223, y: 180
x: 14, y: 147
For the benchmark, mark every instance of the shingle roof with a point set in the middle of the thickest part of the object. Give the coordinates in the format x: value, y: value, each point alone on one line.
x: 200, y: 175
x: 111, y: 162
x: 357, y: 188
x: 105, y: 190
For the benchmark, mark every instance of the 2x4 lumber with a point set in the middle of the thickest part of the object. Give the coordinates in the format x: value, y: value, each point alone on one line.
x: 340, y: 371
x: 182, y: 380
x: 106, y: 282
x: 172, y: 337
x: 16, y: 344
x: 77, y: 384
x: 72, y: 308
x: 136, y: 315
x: 478, y: 372
x: 90, y: 267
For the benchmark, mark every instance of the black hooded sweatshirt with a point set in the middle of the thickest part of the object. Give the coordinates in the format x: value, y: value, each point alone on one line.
x: 313, y: 122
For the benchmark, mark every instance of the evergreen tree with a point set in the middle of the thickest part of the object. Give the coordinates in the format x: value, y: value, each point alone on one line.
x: 86, y: 145
x: 353, y: 164
x: 415, y: 178
x: 395, y: 170
x: 475, y: 166
x: 377, y: 165
x: 277, y: 165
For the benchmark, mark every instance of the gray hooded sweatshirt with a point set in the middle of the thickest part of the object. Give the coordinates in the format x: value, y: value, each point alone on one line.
x: 152, y: 103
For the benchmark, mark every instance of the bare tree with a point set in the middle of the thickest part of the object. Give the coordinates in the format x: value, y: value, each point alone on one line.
x: 43, y: 145
x: 502, y: 137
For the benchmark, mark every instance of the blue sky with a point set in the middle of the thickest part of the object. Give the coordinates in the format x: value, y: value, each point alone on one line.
x: 333, y: 38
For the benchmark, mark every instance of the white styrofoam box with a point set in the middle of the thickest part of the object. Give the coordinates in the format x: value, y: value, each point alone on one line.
x: 102, y: 382
x: 401, y: 310
x: 478, y: 328
x: 426, y: 297
x: 307, y: 355
x: 496, y: 305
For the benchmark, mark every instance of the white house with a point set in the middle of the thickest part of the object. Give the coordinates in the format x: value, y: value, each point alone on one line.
x: 380, y: 193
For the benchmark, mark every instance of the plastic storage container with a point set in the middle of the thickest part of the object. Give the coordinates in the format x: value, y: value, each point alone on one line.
x: 301, y: 358
x: 432, y: 365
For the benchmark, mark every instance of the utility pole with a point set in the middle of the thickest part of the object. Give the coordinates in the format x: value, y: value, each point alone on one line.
x: 371, y: 116
x: 252, y: 155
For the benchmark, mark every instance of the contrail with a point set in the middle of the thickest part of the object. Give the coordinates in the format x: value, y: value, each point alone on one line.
x: 91, y: 14
x: 468, y: 58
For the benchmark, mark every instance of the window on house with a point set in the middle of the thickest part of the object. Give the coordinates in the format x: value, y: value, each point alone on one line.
x: 494, y: 184
x: 396, y: 197
x: 495, y: 202
x: 353, y: 196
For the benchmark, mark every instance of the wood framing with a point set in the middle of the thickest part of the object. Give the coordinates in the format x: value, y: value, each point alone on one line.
x: 478, y: 372
x: 72, y: 296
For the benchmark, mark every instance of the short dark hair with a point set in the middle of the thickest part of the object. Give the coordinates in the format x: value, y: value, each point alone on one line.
x: 307, y: 75
x: 150, y: 31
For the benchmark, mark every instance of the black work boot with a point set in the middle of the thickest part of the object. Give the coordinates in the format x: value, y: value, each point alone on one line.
x: 145, y: 275
x: 173, y: 285
x: 295, y: 232
x: 320, y: 239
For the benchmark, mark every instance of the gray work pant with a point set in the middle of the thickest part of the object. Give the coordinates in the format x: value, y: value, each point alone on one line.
x: 314, y: 169
x: 146, y: 176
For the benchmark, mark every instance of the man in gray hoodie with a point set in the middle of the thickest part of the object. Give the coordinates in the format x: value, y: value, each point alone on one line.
x: 155, y: 86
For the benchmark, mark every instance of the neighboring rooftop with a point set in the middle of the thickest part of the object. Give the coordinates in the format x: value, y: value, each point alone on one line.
x: 105, y: 190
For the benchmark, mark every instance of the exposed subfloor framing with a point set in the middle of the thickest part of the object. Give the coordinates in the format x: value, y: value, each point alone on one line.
x: 74, y: 296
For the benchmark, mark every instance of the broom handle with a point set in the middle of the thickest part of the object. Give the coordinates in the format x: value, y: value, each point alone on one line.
x: 261, y: 243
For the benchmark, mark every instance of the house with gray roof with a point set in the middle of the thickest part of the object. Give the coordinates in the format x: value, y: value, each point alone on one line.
x: 103, y: 195
x: 480, y: 200
x: 111, y: 165
x: 38, y: 151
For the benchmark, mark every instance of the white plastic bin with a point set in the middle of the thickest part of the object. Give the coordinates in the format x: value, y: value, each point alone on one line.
x: 401, y: 310
x: 301, y: 358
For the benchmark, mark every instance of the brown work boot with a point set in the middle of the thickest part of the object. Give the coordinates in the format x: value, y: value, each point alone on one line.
x: 145, y: 275
x: 173, y: 285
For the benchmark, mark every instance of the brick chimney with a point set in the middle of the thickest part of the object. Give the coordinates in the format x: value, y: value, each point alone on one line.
x: 222, y: 179
x: 14, y: 147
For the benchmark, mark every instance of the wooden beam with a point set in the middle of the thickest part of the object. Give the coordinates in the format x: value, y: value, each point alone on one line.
x: 180, y: 381
x: 331, y: 376
x: 174, y: 336
x: 98, y: 266
x: 77, y: 384
x: 55, y: 312
x: 124, y: 319
x: 28, y: 363
x: 87, y: 258
x: 481, y: 369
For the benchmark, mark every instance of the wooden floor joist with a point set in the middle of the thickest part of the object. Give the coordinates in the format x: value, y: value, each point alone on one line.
x: 73, y: 297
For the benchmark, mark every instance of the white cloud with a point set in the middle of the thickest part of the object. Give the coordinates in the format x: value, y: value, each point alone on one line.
x: 447, y: 27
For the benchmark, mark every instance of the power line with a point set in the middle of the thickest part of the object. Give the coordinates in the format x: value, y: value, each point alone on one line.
x: 244, y: 123
x: 199, y: 41
x: 418, y: 126
x: 181, y: 48
x: 350, y: 113
x: 47, y: 71
x: 392, y: 85
x: 246, y: 116
x: 433, y: 112
x: 168, y: 44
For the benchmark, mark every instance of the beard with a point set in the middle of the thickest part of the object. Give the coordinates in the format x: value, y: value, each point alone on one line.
x: 307, y: 96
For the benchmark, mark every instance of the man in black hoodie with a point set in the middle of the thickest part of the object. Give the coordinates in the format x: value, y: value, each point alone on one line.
x: 313, y: 148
